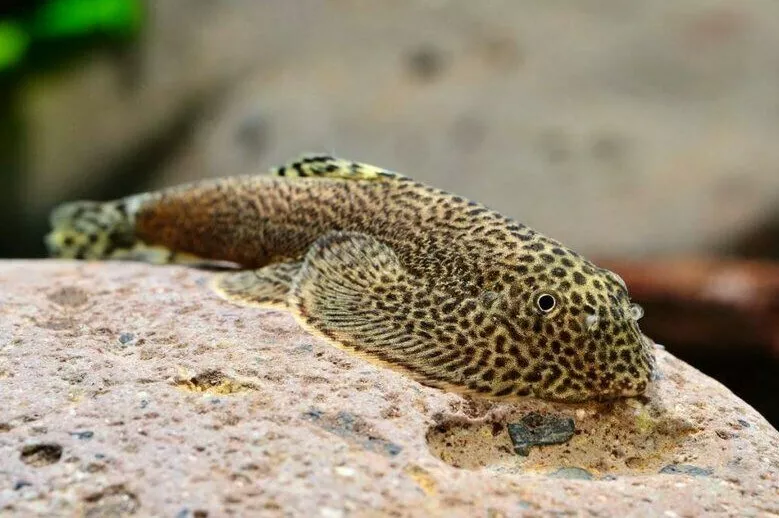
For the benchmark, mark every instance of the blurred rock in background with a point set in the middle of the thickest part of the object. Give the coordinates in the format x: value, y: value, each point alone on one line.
x: 721, y: 315
x: 629, y: 130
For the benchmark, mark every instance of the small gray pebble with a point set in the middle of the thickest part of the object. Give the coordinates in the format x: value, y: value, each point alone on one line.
x: 686, y: 469
x: 572, y: 473
x: 126, y: 338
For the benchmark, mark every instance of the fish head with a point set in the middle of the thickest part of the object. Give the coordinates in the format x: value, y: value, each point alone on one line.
x: 579, y: 330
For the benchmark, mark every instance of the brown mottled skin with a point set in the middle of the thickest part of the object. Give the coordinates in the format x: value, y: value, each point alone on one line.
x: 444, y: 289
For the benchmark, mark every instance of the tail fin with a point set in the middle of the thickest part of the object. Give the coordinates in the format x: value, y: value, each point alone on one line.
x: 106, y: 230
x: 90, y: 230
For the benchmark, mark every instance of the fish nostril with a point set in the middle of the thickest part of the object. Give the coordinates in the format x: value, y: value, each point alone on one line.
x: 591, y: 321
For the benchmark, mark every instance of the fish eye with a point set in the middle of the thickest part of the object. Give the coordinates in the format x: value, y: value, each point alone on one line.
x: 545, y: 302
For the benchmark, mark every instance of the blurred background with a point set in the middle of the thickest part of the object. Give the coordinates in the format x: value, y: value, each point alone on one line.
x: 642, y: 133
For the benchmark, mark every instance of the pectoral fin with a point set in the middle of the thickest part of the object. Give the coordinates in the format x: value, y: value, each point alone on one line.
x: 265, y: 287
x: 353, y: 290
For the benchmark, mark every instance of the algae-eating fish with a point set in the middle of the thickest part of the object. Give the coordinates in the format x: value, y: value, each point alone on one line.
x: 444, y: 289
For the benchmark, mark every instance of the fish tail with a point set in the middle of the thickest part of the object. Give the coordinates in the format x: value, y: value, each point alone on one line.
x: 94, y: 230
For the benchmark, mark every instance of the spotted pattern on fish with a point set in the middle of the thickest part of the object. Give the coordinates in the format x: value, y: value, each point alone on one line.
x: 411, y: 277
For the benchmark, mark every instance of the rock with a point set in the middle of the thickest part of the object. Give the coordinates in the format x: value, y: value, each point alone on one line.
x: 185, y: 52
x: 103, y: 123
x: 705, y: 302
x: 686, y: 469
x: 646, y: 127
x: 721, y: 315
x: 577, y: 473
x: 641, y: 130
x: 539, y: 430
x: 218, y: 409
x: 41, y: 454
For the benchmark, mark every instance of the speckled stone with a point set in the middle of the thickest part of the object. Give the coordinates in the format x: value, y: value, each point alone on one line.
x: 217, y: 410
x: 539, y: 430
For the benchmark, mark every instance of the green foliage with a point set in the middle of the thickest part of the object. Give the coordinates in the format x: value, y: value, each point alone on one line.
x: 13, y: 43
x: 63, y: 18
x: 58, y: 21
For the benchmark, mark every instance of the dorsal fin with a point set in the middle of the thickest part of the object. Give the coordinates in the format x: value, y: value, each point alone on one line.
x: 325, y: 166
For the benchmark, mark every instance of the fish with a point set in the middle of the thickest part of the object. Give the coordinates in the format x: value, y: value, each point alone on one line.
x: 405, y: 275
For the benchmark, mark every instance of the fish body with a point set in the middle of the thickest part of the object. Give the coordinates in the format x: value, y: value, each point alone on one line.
x: 439, y: 287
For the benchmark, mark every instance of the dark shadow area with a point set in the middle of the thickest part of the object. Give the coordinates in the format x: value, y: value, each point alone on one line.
x: 751, y: 375
x: 134, y: 172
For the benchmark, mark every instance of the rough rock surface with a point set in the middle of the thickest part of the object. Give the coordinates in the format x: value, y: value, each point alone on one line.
x: 129, y: 389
